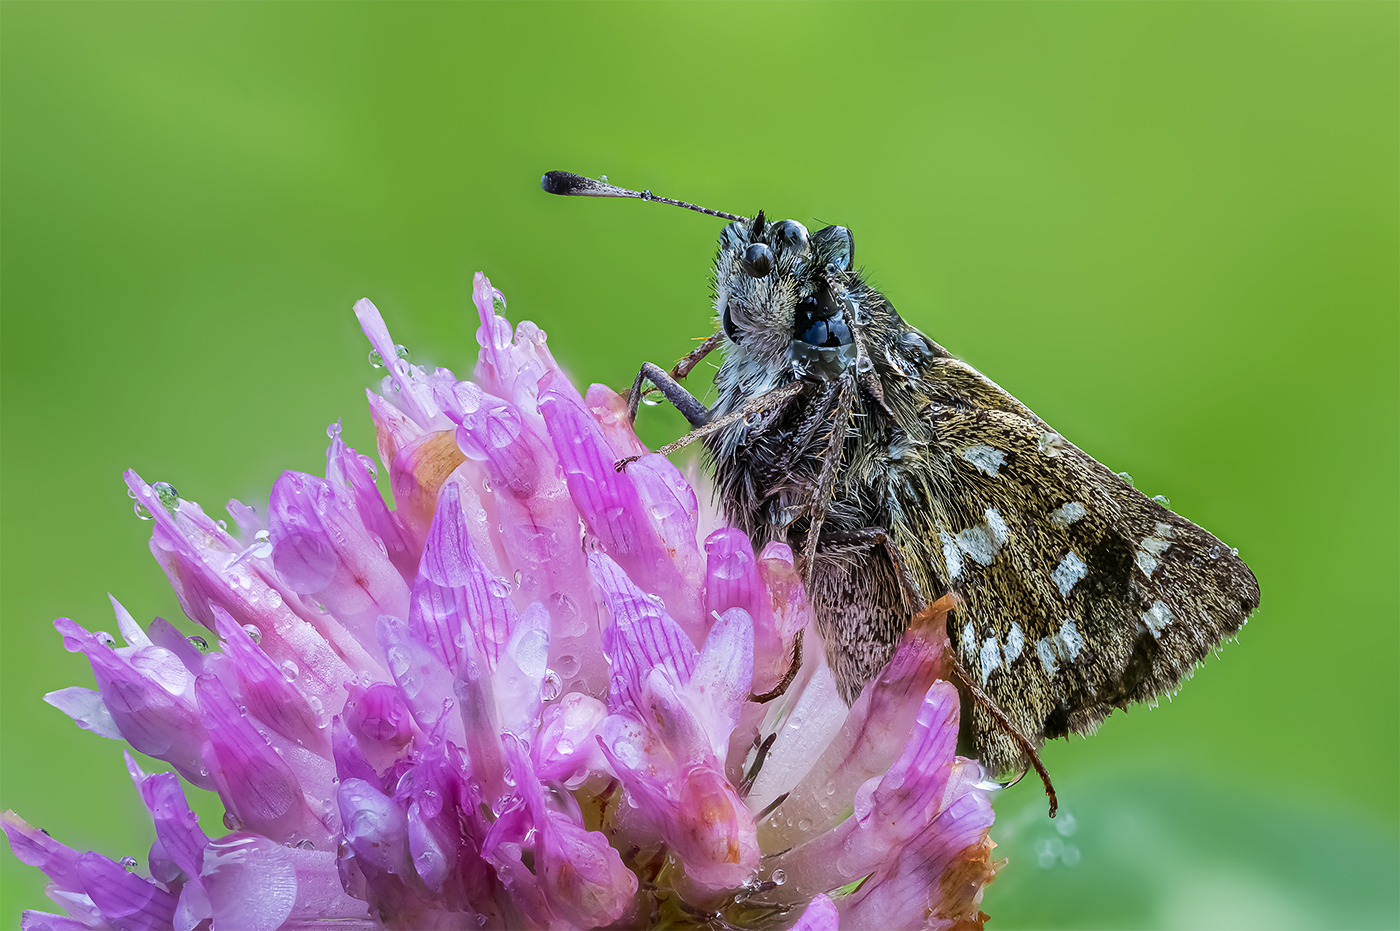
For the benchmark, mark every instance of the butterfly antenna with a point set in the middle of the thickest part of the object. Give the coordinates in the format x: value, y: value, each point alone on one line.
x: 571, y: 185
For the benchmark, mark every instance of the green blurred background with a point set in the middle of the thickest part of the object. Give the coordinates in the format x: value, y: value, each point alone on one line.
x: 1171, y: 229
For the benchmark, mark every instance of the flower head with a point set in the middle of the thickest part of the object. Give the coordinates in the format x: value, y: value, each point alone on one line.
x: 522, y: 698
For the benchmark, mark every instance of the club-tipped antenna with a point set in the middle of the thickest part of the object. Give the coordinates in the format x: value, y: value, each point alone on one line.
x: 572, y: 185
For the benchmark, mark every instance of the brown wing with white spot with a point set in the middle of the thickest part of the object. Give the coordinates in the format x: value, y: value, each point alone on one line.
x: 1079, y: 594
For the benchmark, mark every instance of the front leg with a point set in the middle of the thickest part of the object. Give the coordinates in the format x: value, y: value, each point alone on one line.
x: 763, y: 404
x: 685, y: 402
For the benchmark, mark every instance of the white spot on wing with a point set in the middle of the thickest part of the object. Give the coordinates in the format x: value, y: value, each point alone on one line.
x: 1066, y: 514
x: 969, y: 640
x: 985, y: 458
x: 1070, y: 571
x: 1158, y: 618
x: 1069, y: 636
x: 990, y: 658
x: 979, y: 543
x: 1015, y: 642
x: 996, y: 525
x: 1153, y: 547
x: 1064, y: 645
x: 951, y: 556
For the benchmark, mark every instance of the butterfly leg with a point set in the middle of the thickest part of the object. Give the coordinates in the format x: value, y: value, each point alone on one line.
x: 675, y: 392
x: 691, y: 359
x: 764, y: 403
x: 964, y: 681
x: 788, y: 676
x: 826, y: 479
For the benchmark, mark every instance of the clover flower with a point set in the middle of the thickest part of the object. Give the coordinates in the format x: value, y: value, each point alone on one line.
x: 520, y: 699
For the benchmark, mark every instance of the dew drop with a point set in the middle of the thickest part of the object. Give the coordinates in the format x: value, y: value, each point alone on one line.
x: 779, y: 877
x: 486, y: 485
x: 804, y: 826
x: 231, y: 821
x: 650, y: 400
x: 104, y: 638
x: 262, y: 544
x: 499, y: 587
x: 398, y: 662
x: 1163, y: 500
x: 141, y: 511
x: 274, y: 599
x: 1125, y: 477
x: 290, y: 670
x: 1234, y: 551
x: 253, y: 632
x: 552, y: 686
x: 199, y: 643
x: 223, y: 525
x: 169, y: 497
x: 568, y: 666
x: 128, y: 864
x: 375, y: 359
x: 306, y: 844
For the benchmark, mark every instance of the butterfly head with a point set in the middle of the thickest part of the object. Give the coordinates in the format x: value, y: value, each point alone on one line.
x: 783, y: 293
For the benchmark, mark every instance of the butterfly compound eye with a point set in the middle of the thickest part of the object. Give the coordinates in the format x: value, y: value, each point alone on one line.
x: 836, y: 245
x: 757, y: 261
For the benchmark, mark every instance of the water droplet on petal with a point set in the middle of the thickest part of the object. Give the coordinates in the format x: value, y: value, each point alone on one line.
x: 128, y: 864
x: 141, y: 511
x: 552, y: 686
x: 231, y: 821
x: 306, y: 844
x: 398, y: 661
x: 375, y: 359
x: 499, y: 587
x: 253, y: 631
x: 568, y: 666
x: 779, y: 877
x: 1163, y: 500
x: 290, y: 670
x: 401, y: 350
x: 519, y: 578
x: 104, y: 638
x: 199, y: 643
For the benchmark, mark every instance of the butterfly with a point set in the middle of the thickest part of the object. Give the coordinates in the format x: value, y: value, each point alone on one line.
x: 906, y: 478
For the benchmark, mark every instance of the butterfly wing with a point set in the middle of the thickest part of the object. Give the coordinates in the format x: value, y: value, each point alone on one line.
x: 1078, y: 593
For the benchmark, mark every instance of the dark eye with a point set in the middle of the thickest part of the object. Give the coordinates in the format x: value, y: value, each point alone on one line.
x: 757, y: 261
x: 816, y: 325
x: 837, y: 245
x: 790, y: 235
